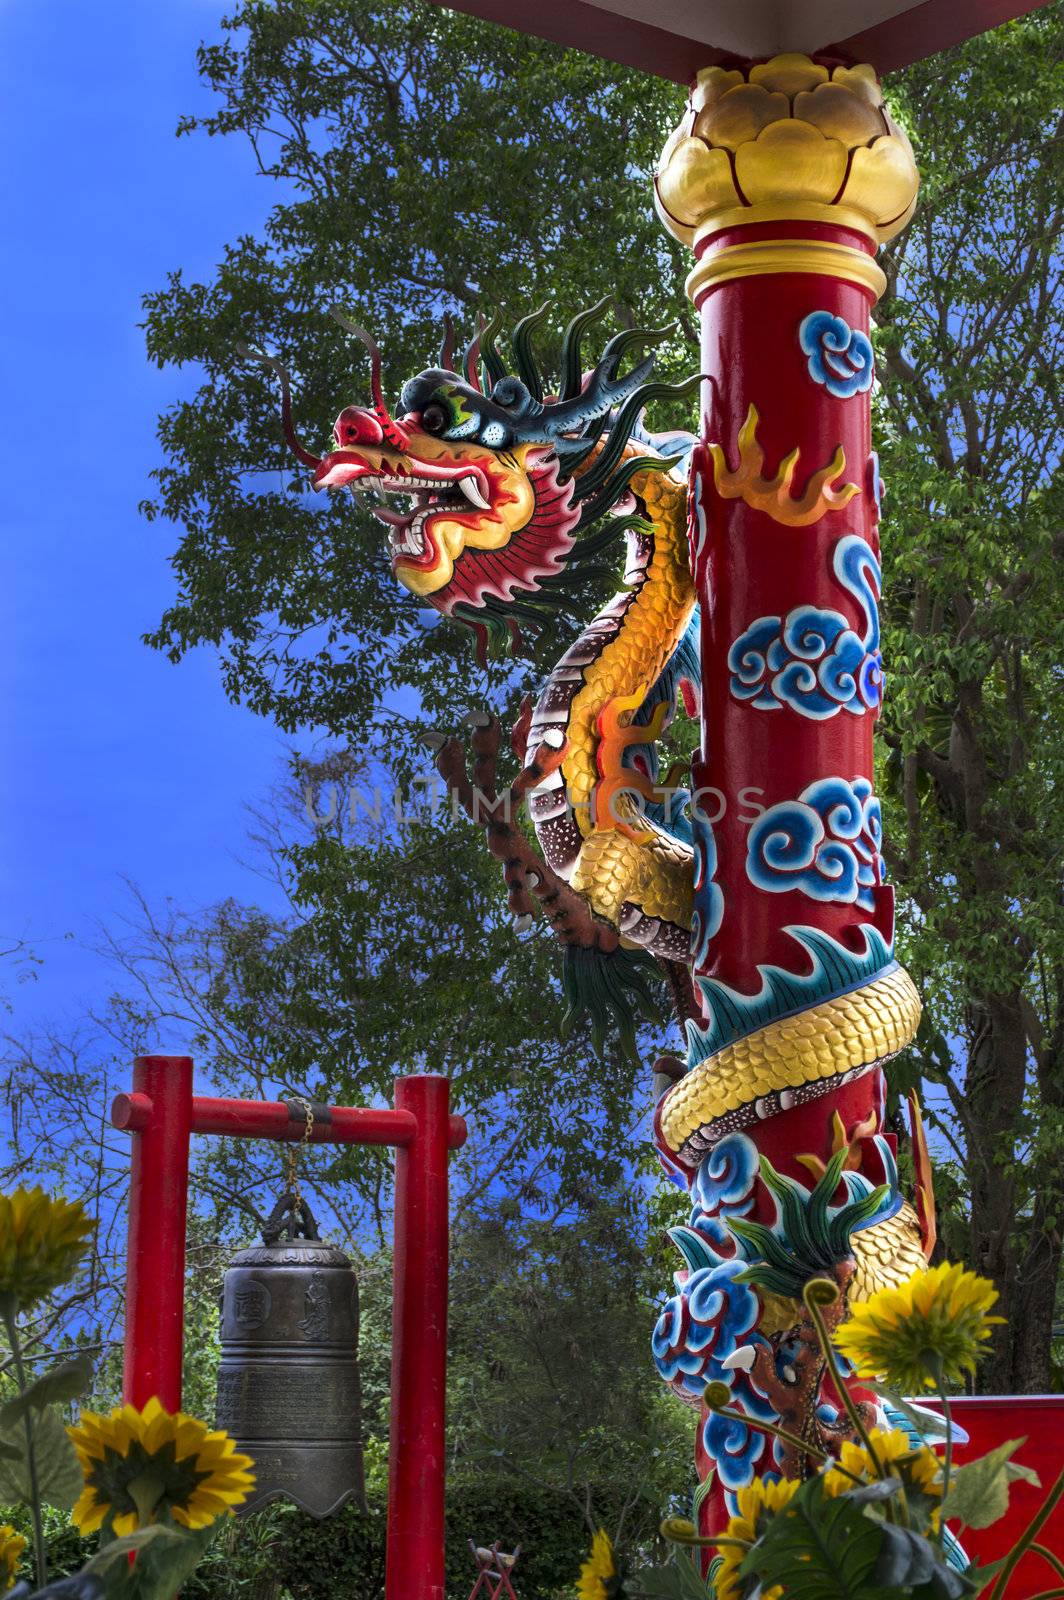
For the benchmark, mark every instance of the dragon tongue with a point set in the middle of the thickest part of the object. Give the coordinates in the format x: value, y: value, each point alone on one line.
x: 393, y: 519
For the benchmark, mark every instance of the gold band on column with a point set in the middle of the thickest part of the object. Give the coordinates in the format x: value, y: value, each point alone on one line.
x: 760, y: 256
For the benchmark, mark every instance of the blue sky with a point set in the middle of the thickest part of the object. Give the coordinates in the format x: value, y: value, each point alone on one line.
x: 116, y: 762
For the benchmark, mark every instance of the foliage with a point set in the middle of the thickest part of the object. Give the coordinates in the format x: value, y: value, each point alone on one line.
x: 333, y: 1001
x: 345, y: 1554
x: 969, y: 353
x: 297, y: 596
x: 548, y: 1361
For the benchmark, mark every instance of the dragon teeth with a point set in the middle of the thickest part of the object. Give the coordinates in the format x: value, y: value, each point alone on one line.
x: 409, y: 541
x: 471, y: 489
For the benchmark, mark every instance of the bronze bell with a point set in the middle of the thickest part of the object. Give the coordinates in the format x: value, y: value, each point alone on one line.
x: 288, y: 1389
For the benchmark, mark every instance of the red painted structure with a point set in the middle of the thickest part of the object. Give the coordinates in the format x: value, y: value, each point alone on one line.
x: 162, y: 1113
x: 1038, y: 1419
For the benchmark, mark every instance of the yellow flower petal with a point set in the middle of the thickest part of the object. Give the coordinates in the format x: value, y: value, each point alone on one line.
x: 597, y: 1570
x: 939, y: 1314
x: 42, y: 1241
x: 130, y: 1449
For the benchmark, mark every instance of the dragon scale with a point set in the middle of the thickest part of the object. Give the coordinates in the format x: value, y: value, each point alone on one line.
x: 641, y: 885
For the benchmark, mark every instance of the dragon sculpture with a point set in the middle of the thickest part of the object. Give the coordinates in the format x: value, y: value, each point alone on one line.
x: 508, y: 496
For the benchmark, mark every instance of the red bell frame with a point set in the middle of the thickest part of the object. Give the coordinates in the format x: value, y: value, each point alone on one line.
x: 162, y: 1113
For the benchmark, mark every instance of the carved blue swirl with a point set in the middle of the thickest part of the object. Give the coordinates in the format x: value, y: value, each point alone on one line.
x: 723, y: 1188
x: 811, y: 659
x: 708, y: 913
x: 734, y: 1448
x: 707, y: 1319
x: 840, y: 357
x: 726, y: 1177
x: 826, y: 844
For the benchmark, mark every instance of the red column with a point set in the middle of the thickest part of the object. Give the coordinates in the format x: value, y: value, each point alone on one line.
x: 783, y: 177
x: 415, y: 1568
x: 773, y: 581
x: 158, y: 1196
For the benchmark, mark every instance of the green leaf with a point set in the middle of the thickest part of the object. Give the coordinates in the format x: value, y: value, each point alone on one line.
x: 164, y: 1563
x: 979, y: 1491
x: 65, y: 1382
x: 117, y: 1550
x: 704, y: 1488
x: 908, y: 1561
x: 680, y: 1580
x: 59, y: 1479
x: 818, y: 1549
x: 872, y: 1493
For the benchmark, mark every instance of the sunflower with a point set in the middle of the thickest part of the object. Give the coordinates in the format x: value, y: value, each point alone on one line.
x: 935, y: 1319
x: 140, y: 1466
x: 599, y: 1578
x: 758, y: 1504
x: 41, y: 1242
x: 12, y: 1545
x: 918, y: 1469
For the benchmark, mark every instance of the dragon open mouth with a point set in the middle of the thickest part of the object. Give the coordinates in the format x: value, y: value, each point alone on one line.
x: 428, y: 489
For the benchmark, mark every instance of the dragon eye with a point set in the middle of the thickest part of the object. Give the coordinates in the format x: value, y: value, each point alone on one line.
x: 434, y: 418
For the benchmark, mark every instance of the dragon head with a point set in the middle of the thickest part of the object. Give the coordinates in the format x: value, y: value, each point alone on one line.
x: 496, y: 482
x: 470, y: 488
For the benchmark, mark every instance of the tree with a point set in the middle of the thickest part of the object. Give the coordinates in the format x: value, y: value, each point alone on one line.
x: 397, y: 955
x: 548, y: 1363
x: 504, y: 169
x: 971, y: 348
x: 497, y: 170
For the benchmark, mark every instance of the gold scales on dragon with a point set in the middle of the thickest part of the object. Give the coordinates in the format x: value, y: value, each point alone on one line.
x: 499, y: 498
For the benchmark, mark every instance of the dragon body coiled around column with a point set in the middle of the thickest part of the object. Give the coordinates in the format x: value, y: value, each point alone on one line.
x: 510, y: 497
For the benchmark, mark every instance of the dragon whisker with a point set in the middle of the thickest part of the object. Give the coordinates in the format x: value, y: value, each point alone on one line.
x: 298, y: 449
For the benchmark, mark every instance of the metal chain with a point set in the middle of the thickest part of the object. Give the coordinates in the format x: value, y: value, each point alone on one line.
x: 293, y: 1152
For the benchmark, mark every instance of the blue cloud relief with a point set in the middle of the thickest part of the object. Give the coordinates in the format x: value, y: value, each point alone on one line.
x: 840, y: 357
x: 812, y: 660
x: 702, y: 1324
x: 723, y: 1188
x: 826, y: 844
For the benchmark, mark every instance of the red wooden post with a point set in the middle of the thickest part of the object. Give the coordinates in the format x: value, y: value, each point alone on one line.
x: 158, y: 1195
x: 161, y: 1113
x: 415, y: 1565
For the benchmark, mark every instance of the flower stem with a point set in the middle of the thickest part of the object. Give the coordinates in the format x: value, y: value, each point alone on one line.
x: 40, y: 1558
x: 1047, y: 1555
x: 1027, y: 1539
x: 935, y: 1367
x: 840, y: 1383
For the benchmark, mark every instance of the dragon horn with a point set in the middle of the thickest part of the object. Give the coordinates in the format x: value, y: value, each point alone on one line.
x: 472, y: 357
x: 447, y: 348
x: 291, y: 437
x: 391, y: 429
